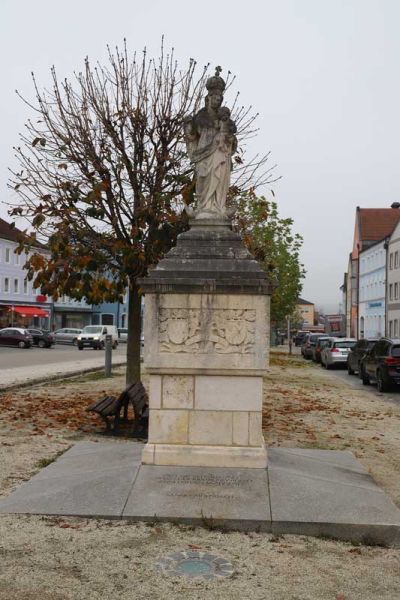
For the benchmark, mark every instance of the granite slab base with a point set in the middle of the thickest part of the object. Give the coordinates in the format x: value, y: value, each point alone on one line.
x: 329, y: 493
x: 217, y: 497
x: 308, y: 492
x: 89, y: 480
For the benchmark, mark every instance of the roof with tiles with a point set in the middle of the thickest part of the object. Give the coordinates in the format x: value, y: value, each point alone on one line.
x: 301, y: 301
x: 377, y: 223
x: 13, y: 234
x: 7, y: 232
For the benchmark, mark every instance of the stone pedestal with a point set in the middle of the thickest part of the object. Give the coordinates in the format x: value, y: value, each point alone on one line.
x: 206, y: 331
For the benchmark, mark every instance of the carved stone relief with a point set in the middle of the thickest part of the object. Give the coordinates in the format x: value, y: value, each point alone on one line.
x: 195, y: 331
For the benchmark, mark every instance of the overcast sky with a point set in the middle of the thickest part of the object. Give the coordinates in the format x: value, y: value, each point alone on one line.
x: 323, y: 74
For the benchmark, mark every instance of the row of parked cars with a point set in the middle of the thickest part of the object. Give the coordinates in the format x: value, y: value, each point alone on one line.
x: 373, y: 360
x: 91, y: 336
x: 327, y: 350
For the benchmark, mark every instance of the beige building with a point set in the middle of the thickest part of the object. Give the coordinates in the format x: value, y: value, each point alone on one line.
x: 393, y: 284
x: 307, y: 311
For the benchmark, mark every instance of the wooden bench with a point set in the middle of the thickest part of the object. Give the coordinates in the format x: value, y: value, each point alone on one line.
x: 110, y: 408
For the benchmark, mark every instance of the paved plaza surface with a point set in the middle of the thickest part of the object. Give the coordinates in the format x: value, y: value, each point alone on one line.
x: 309, y: 492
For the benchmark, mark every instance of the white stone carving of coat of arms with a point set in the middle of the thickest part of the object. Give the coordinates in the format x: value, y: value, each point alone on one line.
x: 223, y: 331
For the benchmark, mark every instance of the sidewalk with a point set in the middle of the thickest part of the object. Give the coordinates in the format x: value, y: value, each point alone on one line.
x: 21, y: 376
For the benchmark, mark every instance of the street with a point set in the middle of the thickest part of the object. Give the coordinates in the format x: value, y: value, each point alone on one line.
x: 11, y: 358
x: 354, y: 381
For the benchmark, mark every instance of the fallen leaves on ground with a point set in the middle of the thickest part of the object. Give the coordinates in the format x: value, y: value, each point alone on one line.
x: 45, y: 409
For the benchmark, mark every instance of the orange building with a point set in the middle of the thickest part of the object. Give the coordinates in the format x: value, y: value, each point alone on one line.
x: 307, y: 311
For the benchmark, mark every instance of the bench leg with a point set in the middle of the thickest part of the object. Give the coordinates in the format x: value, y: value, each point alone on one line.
x: 116, y: 423
x: 107, y: 422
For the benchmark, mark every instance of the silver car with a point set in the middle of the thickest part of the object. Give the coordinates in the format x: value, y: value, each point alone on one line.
x: 336, y: 352
x: 67, y: 335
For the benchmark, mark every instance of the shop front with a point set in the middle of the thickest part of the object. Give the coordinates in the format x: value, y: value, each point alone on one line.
x: 76, y: 317
x: 25, y: 315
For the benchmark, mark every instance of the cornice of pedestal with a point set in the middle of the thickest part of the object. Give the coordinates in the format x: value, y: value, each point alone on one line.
x: 208, y: 258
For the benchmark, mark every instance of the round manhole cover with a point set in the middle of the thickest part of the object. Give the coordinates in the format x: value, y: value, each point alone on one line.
x: 194, y: 563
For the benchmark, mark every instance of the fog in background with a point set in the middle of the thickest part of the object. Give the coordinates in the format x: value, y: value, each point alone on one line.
x: 323, y: 74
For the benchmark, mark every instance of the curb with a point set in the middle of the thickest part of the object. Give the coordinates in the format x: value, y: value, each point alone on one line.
x: 58, y: 377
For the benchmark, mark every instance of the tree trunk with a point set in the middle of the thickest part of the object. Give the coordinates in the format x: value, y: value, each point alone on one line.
x: 134, y: 334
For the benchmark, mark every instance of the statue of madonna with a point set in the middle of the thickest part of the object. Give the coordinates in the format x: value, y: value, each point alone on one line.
x: 211, y: 141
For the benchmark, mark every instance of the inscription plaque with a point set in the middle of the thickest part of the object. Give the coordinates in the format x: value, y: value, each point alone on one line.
x: 195, y: 493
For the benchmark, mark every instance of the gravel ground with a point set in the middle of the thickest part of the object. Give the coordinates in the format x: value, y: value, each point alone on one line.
x: 47, y: 558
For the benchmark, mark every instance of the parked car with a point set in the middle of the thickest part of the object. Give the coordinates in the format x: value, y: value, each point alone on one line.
x: 299, y: 338
x: 122, y: 334
x: 15, y: 336
x: 42, y: 338
x: 309, y: 343
x: 67, y: 335
x: 381, y: 364
x: 336, y: 352
x: 357, y: 353
x: 322, y: 342
x: 94, y: 336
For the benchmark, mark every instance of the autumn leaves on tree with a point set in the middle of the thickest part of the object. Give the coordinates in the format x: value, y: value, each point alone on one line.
x: 103, y: 176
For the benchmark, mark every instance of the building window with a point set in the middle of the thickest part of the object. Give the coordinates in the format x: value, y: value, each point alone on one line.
x: 16, y: 286
x: 390, y: 328
x: 25, y: 286
x: 395, y: 328
x: 391, y: 291
x: 396, y: 260
x: 107, y: 319
x: 8, y: 255
x: 6, y: 285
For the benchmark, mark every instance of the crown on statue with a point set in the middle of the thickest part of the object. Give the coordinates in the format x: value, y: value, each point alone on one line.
x: 216, y: 83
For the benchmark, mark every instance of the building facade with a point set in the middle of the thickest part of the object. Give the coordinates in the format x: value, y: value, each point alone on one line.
x: 307, y: 311
x: 111, y: 313
x: 372, y: 291
x: 393, y: 284
x: 20, y: 304
x: 371, y: 226
x: 71, y: 313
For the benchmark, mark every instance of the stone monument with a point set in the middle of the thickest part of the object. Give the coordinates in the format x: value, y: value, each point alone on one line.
x: 206, y: 320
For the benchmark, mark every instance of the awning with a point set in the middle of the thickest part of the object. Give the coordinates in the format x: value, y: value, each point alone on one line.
x: 29, y: 311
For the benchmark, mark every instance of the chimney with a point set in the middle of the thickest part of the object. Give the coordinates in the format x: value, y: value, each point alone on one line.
x: 395, y: 205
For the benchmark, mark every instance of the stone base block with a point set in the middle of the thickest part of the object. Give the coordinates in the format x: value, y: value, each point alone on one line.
x: 205, y: 456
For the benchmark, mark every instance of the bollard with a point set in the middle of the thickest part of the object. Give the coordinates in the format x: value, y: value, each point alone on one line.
x: 108, y: 356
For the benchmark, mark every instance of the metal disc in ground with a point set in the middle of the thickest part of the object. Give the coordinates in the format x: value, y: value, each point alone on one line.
x: 194, y: 563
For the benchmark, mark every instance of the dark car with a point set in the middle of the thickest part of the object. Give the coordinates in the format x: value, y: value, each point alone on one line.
x: 322, y: 342
x: 357, y: 353
x: 15, y: 336
x: 309, y: 343
x: 381, y: 364
x: 42, y: 338
x: 299, y: 338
